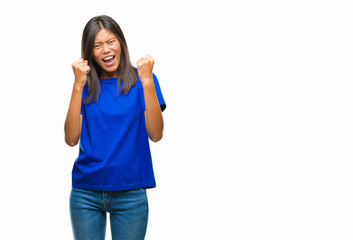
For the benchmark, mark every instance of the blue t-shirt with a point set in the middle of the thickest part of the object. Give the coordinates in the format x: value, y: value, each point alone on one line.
x: 114, y: 147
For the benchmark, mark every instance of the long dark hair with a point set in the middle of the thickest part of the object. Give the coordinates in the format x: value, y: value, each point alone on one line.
x: 126, y: 72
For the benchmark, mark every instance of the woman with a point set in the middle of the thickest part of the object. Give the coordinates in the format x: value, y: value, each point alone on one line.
x: 114, y: 110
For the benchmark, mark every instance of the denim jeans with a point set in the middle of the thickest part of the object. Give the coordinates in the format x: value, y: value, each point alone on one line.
x: 128, y: 214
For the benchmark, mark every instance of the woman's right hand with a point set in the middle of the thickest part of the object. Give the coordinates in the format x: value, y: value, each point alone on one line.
x: 81, y: 69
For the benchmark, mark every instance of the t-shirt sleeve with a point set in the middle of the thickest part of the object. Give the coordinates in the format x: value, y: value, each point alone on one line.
x: 159, y: 94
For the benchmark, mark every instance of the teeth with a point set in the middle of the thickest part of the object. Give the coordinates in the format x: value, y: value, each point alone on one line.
x: 107, y: 58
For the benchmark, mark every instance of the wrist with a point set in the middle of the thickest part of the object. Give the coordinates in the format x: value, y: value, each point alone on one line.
x: 147, y: 81
x: 78, y: 87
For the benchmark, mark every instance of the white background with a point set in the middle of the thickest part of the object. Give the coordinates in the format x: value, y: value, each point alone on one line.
x: 258, y: 128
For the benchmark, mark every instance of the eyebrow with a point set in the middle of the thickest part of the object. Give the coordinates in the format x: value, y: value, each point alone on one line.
x: 112, y: 38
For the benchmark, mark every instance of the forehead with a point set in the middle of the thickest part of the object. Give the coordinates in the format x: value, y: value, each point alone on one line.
x: 103, y: 35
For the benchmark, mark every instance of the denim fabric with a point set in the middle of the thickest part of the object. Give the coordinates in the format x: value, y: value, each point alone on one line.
x: 128, y: 214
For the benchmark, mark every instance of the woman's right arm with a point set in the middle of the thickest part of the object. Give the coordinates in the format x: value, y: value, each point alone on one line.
x: 73, y: 122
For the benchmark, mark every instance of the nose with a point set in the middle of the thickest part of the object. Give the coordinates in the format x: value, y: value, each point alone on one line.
x: 105, y: 48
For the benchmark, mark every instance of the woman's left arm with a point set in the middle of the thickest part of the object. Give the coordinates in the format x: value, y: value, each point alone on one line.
x: 153, y: 113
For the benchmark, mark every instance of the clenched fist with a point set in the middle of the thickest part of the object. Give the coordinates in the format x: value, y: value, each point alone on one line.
x: 144, y: 67
x: 81, y: 68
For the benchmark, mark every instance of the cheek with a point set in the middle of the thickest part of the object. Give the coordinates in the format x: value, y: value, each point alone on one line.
x: 95, y: 55
x: 118, y: 49
x: 119, y: 54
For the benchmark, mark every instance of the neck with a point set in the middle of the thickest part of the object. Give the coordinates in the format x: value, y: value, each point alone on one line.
x: 109, y: 75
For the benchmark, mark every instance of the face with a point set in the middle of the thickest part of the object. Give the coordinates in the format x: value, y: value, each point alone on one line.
x: 106, y: 53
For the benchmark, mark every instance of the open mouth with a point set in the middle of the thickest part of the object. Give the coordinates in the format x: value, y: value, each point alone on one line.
x: 108, y: 60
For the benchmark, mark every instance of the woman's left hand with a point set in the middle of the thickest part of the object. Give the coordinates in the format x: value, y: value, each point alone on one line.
x: 153, y: 114
x: 144, y: 67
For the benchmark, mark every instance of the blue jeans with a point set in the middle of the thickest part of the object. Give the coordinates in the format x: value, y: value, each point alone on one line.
x: 128, y: 214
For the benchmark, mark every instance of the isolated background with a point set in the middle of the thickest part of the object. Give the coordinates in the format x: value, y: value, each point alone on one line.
x: 258, y: 125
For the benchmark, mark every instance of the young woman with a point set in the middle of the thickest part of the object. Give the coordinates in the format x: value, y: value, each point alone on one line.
x: 114, y: 110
